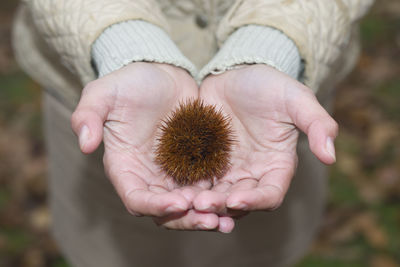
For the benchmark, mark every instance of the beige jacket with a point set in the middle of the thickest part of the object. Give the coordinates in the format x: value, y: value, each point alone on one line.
x: 54, y: 42
x: 53, y: 39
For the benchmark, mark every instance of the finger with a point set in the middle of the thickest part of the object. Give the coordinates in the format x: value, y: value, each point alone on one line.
x: 310, y: 117
x: 226, y: 225
x: 139, y: 200
x: 267, y: 195
x: 241, y: 185
x: 188, y: 193
x: 191, y: 220
x: 89, y: 116
x: 213, y: 200
x: 191, y: 191
x: 155, y: 204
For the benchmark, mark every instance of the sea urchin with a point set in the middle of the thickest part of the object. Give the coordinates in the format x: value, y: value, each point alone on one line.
x: 195, y: 143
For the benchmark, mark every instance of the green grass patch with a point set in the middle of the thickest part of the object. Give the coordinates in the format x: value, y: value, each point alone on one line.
x: 17, y: 240
x: 387, y: 96
x: 15, y: 89
x: 4, y: 197
x: 343, y: 192
x: 374, y: 29
x: 60, y: 262
x: 389, y: 218
x: 318, y: 261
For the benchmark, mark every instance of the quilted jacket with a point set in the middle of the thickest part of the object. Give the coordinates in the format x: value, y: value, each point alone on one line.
x: 53, y: 39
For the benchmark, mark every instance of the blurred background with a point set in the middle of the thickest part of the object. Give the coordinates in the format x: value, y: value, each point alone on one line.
x: 362, y: 222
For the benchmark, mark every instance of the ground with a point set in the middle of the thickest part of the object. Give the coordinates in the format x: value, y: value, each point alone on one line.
x: 362, y: 222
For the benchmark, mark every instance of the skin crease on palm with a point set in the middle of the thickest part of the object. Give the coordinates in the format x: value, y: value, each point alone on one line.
x: 267, y: 107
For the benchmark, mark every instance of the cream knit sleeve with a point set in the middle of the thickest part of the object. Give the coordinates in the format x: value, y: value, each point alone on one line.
x: 254, y: 44
x: 70, y: 27
x: 321, y: 29
x: 133, y: 41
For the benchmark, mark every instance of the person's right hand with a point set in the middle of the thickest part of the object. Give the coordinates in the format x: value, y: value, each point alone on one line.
x: 125, y: 109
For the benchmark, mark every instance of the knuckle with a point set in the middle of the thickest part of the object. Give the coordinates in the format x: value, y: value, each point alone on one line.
x: 80, y: 115
x: 130, y: 208
x: 275, y: 198
x: 75, y: 120
x: 113, y: 171
x: 134, y: 213
x: 89, y: 86
x: 335, y: 126
x: 276, y: 203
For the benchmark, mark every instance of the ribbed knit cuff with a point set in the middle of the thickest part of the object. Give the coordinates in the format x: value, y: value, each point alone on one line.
x: 132, y: 41
x: 253, y: 44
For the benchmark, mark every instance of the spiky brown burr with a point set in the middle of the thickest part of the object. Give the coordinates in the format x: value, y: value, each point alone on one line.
x: 195, y: 143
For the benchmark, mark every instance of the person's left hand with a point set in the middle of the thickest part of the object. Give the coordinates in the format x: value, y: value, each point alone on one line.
x: 266, y: 108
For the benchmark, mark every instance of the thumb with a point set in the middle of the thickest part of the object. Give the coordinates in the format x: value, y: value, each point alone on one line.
x: 89, y: 116
x: 311, y: 118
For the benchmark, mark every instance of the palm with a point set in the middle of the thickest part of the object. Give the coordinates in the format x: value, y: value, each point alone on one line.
x: 140, y: 102
x: 125, y: 109
x: 258, y: 101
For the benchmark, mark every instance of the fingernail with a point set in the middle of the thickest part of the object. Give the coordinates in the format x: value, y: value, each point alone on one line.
x: 330, y: 148
x: 203, y: 226
x: 175, y: 208
x: 83, y: 136
x: 223, y: 226
x: 238, y: 206
x: 202, y: 207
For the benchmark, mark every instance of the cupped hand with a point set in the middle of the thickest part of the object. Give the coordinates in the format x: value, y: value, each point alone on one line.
x: 124, y: 109
x: 267, y: 109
